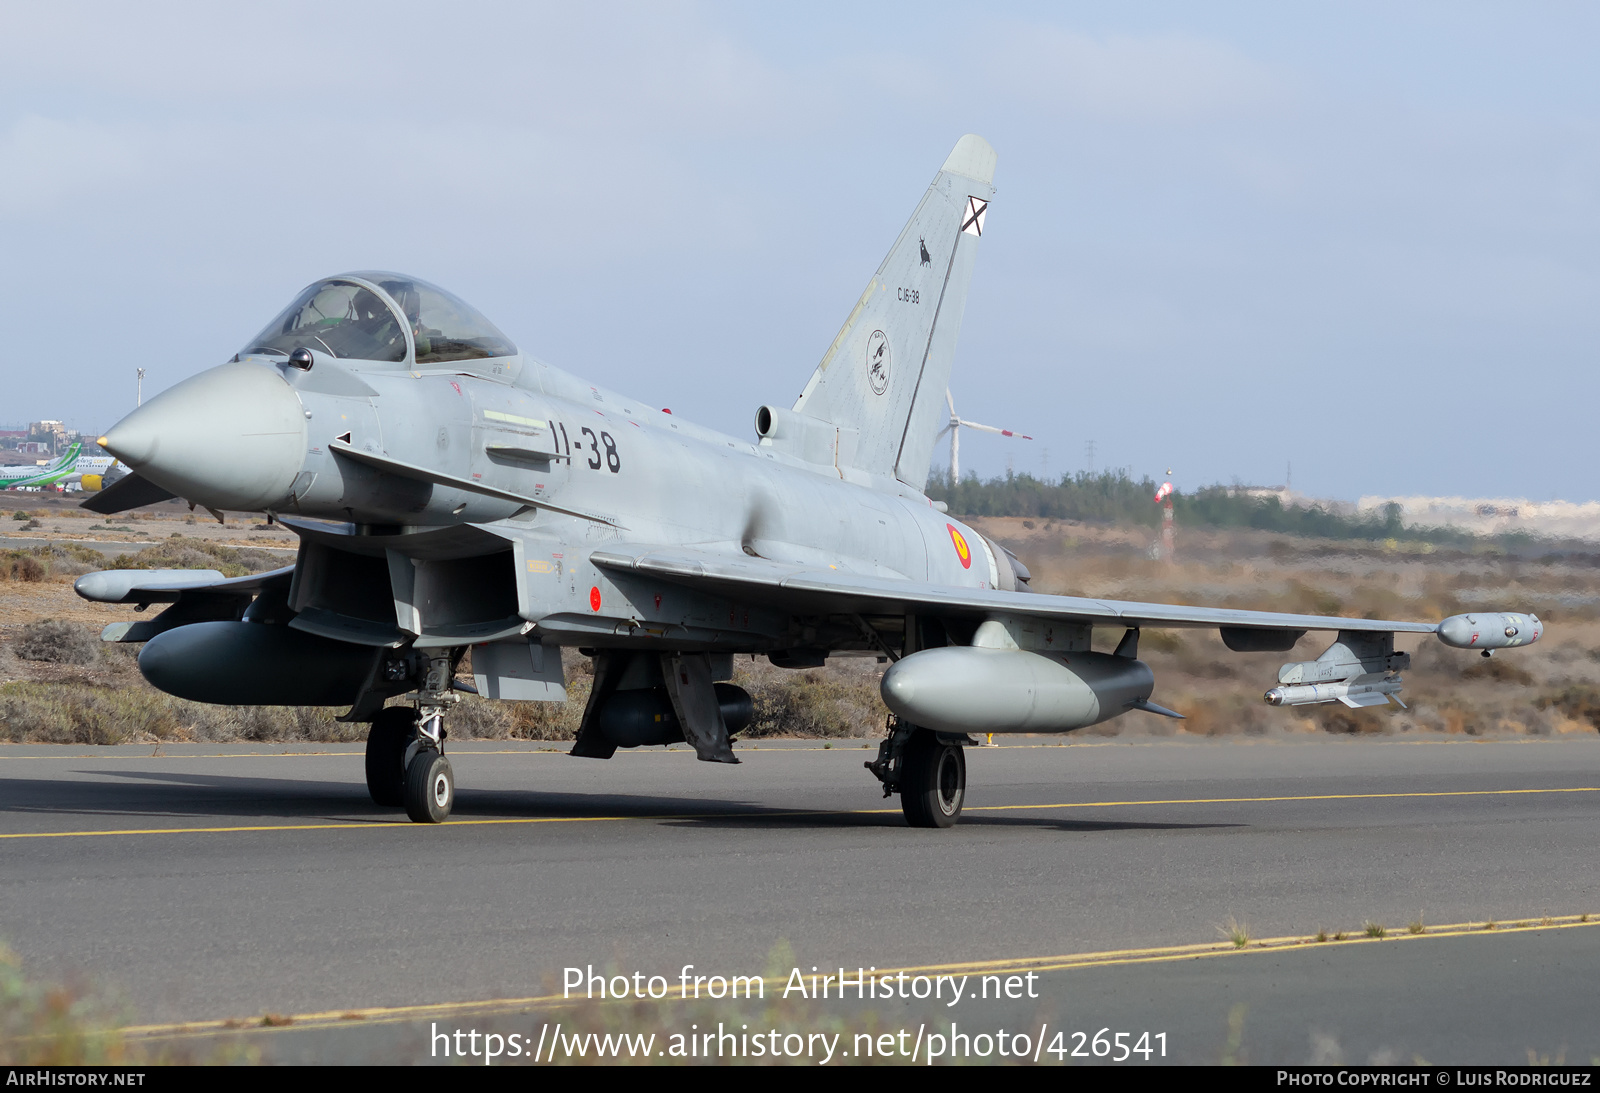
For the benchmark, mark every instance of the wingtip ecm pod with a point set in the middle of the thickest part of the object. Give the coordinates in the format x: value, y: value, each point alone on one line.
x: 1488, y: 630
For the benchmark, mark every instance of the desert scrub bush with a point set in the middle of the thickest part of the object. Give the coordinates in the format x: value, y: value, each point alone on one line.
x: 1161, y: 641
x: 1337, y: 719
x: 1223, y: 716
x: 35, y: 563
x: 1499, y: 670
x: 814, y: 703
x: 481, y: 719
x: 57, y: 641
x: 79, y: 1024
x: 186, y: 553
x: 21, y: 565
x: 49, y: 1025
x: 1581, y: 702
x: 75, y: 713
x: 84, y: 713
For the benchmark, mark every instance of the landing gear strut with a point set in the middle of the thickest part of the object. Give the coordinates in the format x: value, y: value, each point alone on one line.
x: 430, y: 784
x: 927, y: 769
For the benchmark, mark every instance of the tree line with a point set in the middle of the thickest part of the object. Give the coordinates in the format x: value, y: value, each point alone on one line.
x: 1116, y: 497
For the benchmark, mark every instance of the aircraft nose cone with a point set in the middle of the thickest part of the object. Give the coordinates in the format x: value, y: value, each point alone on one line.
x: 130, y: 441
x: 233, y: 437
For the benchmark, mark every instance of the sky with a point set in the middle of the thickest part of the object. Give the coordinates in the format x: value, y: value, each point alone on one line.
x: 1361, y: 239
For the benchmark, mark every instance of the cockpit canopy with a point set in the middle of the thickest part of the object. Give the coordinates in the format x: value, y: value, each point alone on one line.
x: 383, y: 317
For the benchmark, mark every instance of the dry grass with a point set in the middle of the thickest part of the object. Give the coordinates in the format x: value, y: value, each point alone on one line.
x: 75, y: 1024
x: 93, y: 694
x: 1552, y: 688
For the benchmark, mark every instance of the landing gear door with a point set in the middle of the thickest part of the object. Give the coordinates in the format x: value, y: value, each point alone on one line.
x: 521, y: 671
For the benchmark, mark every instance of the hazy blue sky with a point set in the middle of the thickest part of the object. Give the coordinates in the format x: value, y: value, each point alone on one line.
x: 1361, y: 237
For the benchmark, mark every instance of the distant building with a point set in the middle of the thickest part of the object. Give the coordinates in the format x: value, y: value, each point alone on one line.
x: 1496, y: 515
x: 53, y: 435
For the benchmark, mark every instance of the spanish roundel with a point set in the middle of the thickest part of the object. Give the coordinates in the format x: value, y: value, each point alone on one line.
x: 963, y: 551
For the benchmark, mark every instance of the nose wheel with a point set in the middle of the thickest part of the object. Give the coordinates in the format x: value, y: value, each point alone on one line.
x: 430, y: 789
x: 406, y: 766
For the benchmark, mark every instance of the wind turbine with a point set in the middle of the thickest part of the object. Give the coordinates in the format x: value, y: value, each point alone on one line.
x: 954, y: 429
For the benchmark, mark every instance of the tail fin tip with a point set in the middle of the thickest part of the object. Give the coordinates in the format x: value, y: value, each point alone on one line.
x: 972, y: 157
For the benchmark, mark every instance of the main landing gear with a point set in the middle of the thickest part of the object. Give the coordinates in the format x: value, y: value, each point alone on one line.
x: 929, y: 771
x: 406, y: 765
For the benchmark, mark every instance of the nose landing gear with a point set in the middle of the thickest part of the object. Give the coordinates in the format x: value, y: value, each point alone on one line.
x: 406, y: 765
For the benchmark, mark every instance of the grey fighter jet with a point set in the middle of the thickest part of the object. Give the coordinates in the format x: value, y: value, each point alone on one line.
x: 452, y: 493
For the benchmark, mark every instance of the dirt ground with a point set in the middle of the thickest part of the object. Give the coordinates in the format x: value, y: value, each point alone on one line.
x: 57, y: 518
x: 1550, y: 687
x: 1553, y: 687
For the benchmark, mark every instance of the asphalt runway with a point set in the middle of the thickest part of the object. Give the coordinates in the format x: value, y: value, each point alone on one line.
x: 221, y: 883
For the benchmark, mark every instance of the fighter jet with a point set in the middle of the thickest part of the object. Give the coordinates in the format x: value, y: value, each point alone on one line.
x: 452, y: 493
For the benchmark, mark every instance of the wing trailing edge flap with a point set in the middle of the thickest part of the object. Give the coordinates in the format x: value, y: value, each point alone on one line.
x: 806, y: 589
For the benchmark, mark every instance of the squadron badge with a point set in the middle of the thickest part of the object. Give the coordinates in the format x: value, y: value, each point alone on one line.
x: 878, y: 361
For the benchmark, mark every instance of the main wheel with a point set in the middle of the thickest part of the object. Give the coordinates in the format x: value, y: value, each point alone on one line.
x: 391, y: 733
x: 933, y: 781
x: 430, y: 787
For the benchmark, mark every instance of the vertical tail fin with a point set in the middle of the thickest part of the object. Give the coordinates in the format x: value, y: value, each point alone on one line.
x: 884, y: 377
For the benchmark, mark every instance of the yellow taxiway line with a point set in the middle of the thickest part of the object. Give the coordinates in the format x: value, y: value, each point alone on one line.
x: 349, y: 1018
x: 401, y: 825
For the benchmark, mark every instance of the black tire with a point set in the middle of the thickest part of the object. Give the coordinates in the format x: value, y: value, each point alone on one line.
x: 933, y: 781
x: 430, y: 788
x: 392, y: 732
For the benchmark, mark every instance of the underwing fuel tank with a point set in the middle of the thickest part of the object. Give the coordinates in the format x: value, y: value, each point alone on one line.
x: 256, y: 664
x: 961, y: 689
x: 645, y: 716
